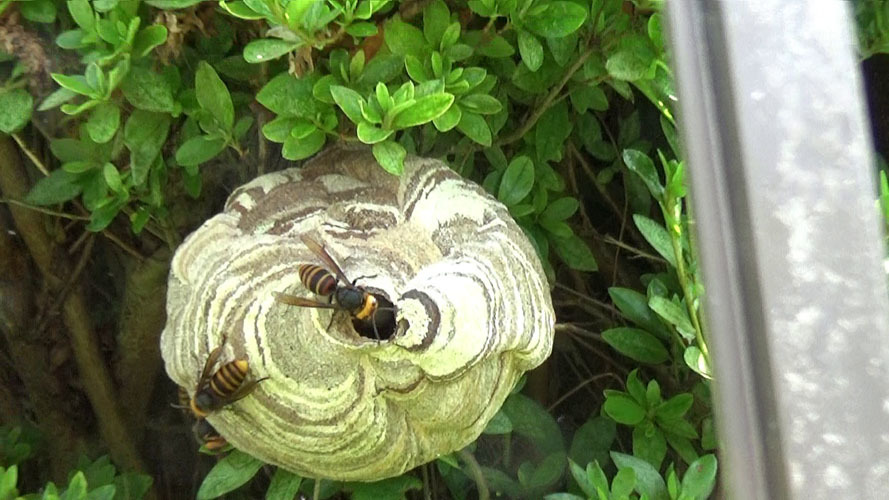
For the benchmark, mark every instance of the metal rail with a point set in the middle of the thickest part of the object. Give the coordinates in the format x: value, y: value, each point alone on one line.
x: 783, y: 190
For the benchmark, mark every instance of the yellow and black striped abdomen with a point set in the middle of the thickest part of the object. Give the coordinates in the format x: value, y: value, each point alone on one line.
x: 317, y: 279
x: 229, y: 378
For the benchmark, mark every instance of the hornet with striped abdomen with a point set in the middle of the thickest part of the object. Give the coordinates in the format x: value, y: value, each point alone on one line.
x: 222, y: 387
x: 343, y: 294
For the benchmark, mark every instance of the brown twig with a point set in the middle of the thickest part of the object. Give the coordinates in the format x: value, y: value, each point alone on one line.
x: 640, y: 253
x: 141, y: 321
x: 580, y: 386
x: 94, y: 374
x: 547, y: 101
x: 70, y: 282
x: 475, y: 472
x: 30, y: 154
x: 30, y: 358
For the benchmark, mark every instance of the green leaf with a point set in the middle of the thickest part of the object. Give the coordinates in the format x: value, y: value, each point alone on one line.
x: 521, y: 210
x: 449, y: 41
x: 675, y: 407
x: 558, y: 229
x: 448, y: 120
x: 532, y: 421
x: 423, y: 110
x: 517, y: 181
x: 144, y: 135
x: 104, y: 5
x: 106, y: 492
x: 623, y: 409
x: 475, y: 127
x: 199, y: 149
x: 636, y: 389
x: 649, y: 444
x: 499, y: 424
x: 362, y: 29
x: 241, y: 10
x: 404, y: 39
x: 108, y: 32
x: 290, y: 96
x: 76, y: 489
x: 284, y: 486
x: 597, y: 477
x: 38, y: 11
x: 390, y: 155
x: 82, y: 14
x: 632, y: 58
x: 679, y: 429
x: 575, y: 252
x: 172, y: 4
x: 592, y: 440
x: 103, y: 122
x: 268, y: 49
x: 561, y: 209
x: 584, y: 97
x: 303, y: 147
x: 17, y: 105
x: 562, y: 496
x: 551, y: 131
x: 673, y: 314
x: 495, y: 47
x: 530, y: 49
x: 482, y: 104
x: 79, y: 167
x: 700, y: 478
x: 278, y: 130
x: 75, y: 83
x: 415, y: 69
x: 117, y: 74
x: 382, y: 68
x: 228, y: 474
x: 71, y: 150
x: 636, y: 344
x: 682, y: 445
x: 558, y: 19
x: 582, y: 479
x: 623, y: 483
x: 370, y: 134
x: 634, y: 306
x: 213, y: 96
x: 695, y: 360
x: 8, y: 480
x: 388, y: 489
x: 71, y: 39
x: 656, y: 236
x: 149, y: 38
x: 148, y: 90
x: 708, y: 434
x: 545, y: 475
x: 642, y: 165
x: 648, y: 480
x: 349, y: 101
x: 60, y: 96
x: 436, y: 18
x: 242, y: 126
x: 131, y: 486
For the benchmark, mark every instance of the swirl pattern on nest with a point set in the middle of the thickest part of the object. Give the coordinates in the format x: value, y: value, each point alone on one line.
x: 473, y: 313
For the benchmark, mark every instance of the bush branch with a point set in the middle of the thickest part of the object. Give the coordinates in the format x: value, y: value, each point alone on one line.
x: 94, y: 374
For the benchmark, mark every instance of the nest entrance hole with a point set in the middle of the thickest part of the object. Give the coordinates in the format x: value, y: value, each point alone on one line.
x: 382, y: 325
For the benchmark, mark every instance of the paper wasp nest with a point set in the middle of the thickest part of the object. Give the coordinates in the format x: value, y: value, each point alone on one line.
x: 473, y: 312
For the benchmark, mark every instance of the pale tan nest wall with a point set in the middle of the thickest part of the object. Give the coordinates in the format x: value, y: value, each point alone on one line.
x: 474, y: 313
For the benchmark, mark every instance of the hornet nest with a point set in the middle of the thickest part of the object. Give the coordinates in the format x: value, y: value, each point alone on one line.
x: 472, y: 312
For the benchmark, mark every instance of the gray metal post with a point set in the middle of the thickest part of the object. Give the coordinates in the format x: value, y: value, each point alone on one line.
x: 783, y: 190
